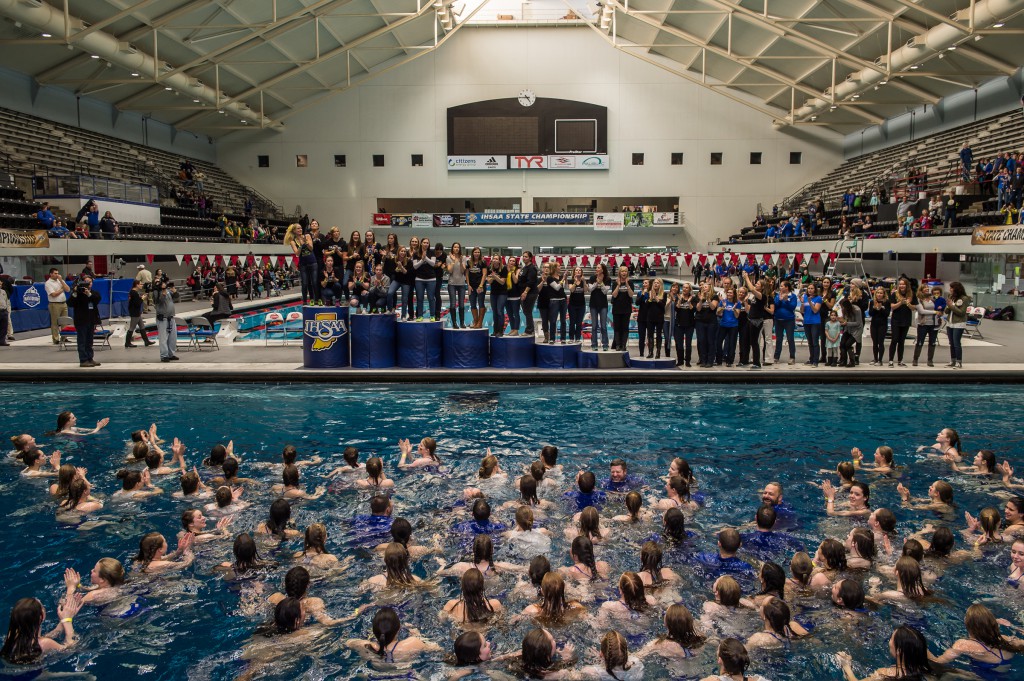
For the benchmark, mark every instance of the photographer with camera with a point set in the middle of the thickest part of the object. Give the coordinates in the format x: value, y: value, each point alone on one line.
x: 85, y: 305
x: 167, y: 333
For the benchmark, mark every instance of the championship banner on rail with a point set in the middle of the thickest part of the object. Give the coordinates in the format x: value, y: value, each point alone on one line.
x: 527, y: 218
x: 996, y: 236
x: 18, y: 238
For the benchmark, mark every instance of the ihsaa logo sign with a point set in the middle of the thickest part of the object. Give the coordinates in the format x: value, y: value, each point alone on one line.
x: 325, y: 329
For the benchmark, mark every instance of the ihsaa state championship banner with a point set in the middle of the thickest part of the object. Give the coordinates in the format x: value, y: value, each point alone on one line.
x: 19, y: 238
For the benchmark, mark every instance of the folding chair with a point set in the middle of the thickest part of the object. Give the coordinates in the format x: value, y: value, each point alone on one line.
x: 203, y: 332
x: 273, y: 324
x: 66, y: 332
x: 186, y: 334
x: 975, y: 315
x: 292, y: 324
x: 102, y: 335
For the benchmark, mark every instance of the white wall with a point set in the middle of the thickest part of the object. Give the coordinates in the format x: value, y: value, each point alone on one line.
x: 650, y: 110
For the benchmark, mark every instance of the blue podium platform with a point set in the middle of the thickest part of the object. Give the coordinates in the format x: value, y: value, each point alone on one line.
x: 590, y: 359
x: 465, y: 348
x: 419, y: 345
x: 645, y: 363
x: 325, y: 337
x: 373, y: 340
x: 512, y: 352
x: 556, y: 356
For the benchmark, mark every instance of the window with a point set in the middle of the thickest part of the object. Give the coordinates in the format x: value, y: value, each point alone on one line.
x: 716, y: 158
x: 417, y: 160
x: 638, y: 159
x: 263, y: 161
x: 795, y: 158
x: 755, y: 158
x: 301, y: 161
x: 378, y: 160
x: 339, y: 160
x: 677, y: 158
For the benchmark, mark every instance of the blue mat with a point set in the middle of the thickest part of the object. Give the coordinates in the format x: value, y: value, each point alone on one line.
x: 558, y: 356
x: 465, y: 348
x: 419, y: 345
x: 373, y: 341
x: 512, y: 352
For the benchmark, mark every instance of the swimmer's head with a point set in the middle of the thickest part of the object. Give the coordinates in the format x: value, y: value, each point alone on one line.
x: 528, y: 489
x: 288, y: 615
x: 401, y: 531
x: 614, y: 652
x: 223, y: 496
x: 189, y: 482
x: 471, y: 648
x: 539, y: 566
x: 617, y: 470
x: 296, y: 582
x: 108, y: 572
x: 22, y: 643
x: 732, y: 657
x: 380, y: 505
x: 217, y: 455
x: 549, y: 456
x: 586, y: 482
x: 290, y: 475
x: 374, y: 469
x: 289, y: 454
x: 315, y: 538
x: 729, y: 540
x: 634, y: 502
x: 802, y: 567
x: 943, y: 541
x: 845, y: 470
x: 765, y: 517
x: 537, y: 470
x: 246, y: 555
x: 386, y: 626
x: 772, y: 493
x: 913, y: 549
x: 524, y: 518
x: 481, y: 511
x: 727, y: 591
x: 675, y: 524
x: 848, y: 593
x: 910, y: 651
x: 883, y: 519
x: 483, y: 549
x: 351, y: 456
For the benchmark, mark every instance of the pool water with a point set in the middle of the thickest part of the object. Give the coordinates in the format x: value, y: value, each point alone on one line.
x: 192, y: 625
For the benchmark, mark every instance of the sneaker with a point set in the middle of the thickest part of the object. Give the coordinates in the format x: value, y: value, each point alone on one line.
x: 605, y: 348
x: 890, y: 364
x: 902, y: 364
x: 165, y: 359
x: 792, y: 361
x: 174, y: 358
x: 729, y: 364
x: 755, y: 366
x: 513, y: 333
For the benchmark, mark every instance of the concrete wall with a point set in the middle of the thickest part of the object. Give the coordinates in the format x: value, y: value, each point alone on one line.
x: 22, y: 93
x: 650, y: 111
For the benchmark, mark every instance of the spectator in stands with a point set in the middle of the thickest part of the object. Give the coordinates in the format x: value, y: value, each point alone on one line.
x: 45, y: 216
x: 966, y: 161
x: 89, y: 270
x: 901, y: 209
x: 222, y: 307
x: 1017, y: 186
x: 873, y: 201
x: 56, y: 295
x: 197, y: 180
x: 248, y: 207
x: 950, y: 219
x: 771, y: 235
x: 108, y: 226
x: 222, y: 222
x: 201, y: 206
x: 92, y: 221
x: 59, y: 231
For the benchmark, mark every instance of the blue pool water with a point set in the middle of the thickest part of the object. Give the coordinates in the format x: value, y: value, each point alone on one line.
x: 191, y: 625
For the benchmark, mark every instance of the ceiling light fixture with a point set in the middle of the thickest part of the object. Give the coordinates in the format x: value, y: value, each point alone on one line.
x: 914, y: 67
x: 135, y: 75
x: 951, y: 48
x: 168, y: 89
x: 883, y: 82
x: 997, y: 25
x: 47, y: 35
x: 95, y: 56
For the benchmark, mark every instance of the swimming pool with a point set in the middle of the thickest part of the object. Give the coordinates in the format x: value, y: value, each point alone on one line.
x: 191, y: 625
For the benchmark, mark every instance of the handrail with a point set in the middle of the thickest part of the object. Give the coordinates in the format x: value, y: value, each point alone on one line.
x: 264, y: 205
x: 89, y: 185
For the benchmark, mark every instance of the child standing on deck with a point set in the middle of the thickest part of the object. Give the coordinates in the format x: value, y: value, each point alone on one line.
x: 833, y: 330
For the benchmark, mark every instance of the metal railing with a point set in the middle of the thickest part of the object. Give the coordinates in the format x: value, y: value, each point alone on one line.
x: 98, y: 187
x: 263, y: 205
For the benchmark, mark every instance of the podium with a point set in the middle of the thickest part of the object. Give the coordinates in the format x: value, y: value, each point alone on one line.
x: 591, y: 359
x: 465, y: 348
x: 512, y: 352
x: 373, y: 341
x: 325, y: 337
x: 558, y: 356
x: 419, y: 345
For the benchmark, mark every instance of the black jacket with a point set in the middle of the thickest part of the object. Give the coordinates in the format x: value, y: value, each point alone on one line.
x: 85, y: 307
x: 134, y: 303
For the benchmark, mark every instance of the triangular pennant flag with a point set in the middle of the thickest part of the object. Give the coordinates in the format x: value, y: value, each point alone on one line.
x: 831, y: 257
x: 797, y: 257
x: 703, y: 259
x: 265, y: 260
x: 766, y: 258
x: 775, y: 258
x: 149, y: 258
x: 735, y: 258
x: 688, y: 257
x: 234, y: 260
x: 212, y: 259
x: 179, y: 258
x: 720, y: 258
x: 807, y: 257
x: 188, y: 259
x: 280, y: 261
x: 815, y: 258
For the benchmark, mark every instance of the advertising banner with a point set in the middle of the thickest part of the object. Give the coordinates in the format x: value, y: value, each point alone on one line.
x: 664, y: 218
x: 609, y: 222
x: 446, y: 219
x: 401, y: 220
x: 638, y: 219
x: 382, y: 219
x: 994, y: 236
x: 24, y: 238
x: 528, y: 162
x: 477, y: 163
x: 527, y: 218
x: 422, y: 220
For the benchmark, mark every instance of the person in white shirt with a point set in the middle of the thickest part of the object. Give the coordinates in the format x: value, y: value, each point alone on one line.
x: 57, y: 296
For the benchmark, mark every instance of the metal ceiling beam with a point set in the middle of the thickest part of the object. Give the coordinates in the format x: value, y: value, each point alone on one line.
x: 937, y: 16
x: 103, y: 23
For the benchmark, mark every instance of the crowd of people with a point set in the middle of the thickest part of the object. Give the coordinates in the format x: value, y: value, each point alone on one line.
x: 632, y: 598
x: 88, y: 224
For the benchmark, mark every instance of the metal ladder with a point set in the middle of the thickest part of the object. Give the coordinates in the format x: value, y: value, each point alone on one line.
x: 848, y: 251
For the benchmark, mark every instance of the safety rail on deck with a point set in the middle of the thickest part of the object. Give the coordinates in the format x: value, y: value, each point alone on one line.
x: 89, y: 185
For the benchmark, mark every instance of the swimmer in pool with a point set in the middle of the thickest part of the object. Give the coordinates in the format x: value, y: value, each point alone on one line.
x: 584, y: 568
x: 230, y: 476
x: 226, y: 501
x: 652, y: 574
x: 246, y: 555
x: 549, y: 459
x: 677, y: 493
x: 483, y: 559
x: 845, y: 470
x: 860, y: 495
x: 882, y: 522
x: 681, y: 636
x: 527, y: 539
x: 401, y: 532
x: 540, y: 657
x: 25, y: 642
x: 396, y: 571
x: 489, y: 477
x: 376, y: 478
x: 947, y: 445
x: 35, y: 461
x: 909, y: 651
x: 106, y: 578
x: 426, y: 454
x: 589, y: 526
x: 471, y: 650
x: 153, y: 557
x: 278, y: 523
x: 22, y: 443
x: 386, y: 646
x: 528, y: 497
x: 67, y: 424
x: 940, y: 497
x: 296, y: 585
x: 290, y: 455
x: 909, y: 583
x: 860, y: 545
x: 912, y: 548
x: 289, y: 487
x: 194, y: 522
x: 633, y: 601
x: 135, y: 485
x: 553, y: 606
x: 984, y: 465
x: 635, y: 512
x: 314, y: 549
x: 987, y: 524
x: 779, y: 627
x: 773, y: 585
x: 829, y: 561
x: 155, y: 459
x: 883, y: 460
x: 352, y: 465
x: 192, y: 486
x: 79, y: 499
x: 472, y: 607
x: 65, y: 475
x: 733, y: 661
x: 616, y: 663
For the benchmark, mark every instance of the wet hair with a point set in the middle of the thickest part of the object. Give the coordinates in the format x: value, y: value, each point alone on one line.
x: 911, y: 653
x: 431, y: 446
x: 65, y: 475
x: 315, y: 538
x: 230, y: 467
x: 401, y: 531
x: 375, y: 470
x: 886, y: 452
x: 76, y: 491
x: 488, y: 465
x: 154, y: 459
x: 1018, y: 503
x: 583, y: 549
x: 990, y: 520
x: 246, y: 555
x: 734, y: 657
x: 621, y: 463
x: 524, y: 518
x: 590, y: 523
x: 680, y: 487
x: 136, y: 435
x: 728, y: 591
x: 476, y: 607
x: 536, y: 653
x: 539, y: 566
x: 587, y: 482
x: 189, y: 482
x: 31, y: 456
x: 845, y: 469
x: 287, y: 615
x: 290, y: 475
x: 675, y: 525
x: 944, y: 490
x: 481, y: 510
x: 766, y: 517
x: 729, y: 539
x: 552, y: 596
x: 683, y: 469
x: 943, y: 541
x: 954, y: 440
x: 379, y: 504
x: 778, y: 617
x: 908, y: 573
x: 864, y: 541
x: 396, y: 564
x: 802, y: 567
x: 148, y: 546
x: 129, y: 479
x: 483, y: 548
x: 111, y: 570
x: 63, y: 419
x: 217, y: 455
x: 680, y: 627
x: 20, y: 442
x: 865, y: 489
x: 851, y: 594
x: 634, y: 502
x: 549, y: 455
x: 773, y: 580
x: 467, y: 648
x: 615, y: 652
x: 537, y: 470
x: 989, y: 457
x: 296, y: 582
x: 277, y: 520
x: 834, y: 554
x: 528, y: 489
x: 289, y: 454
x: 351, y: 456
x: 886, y: 520
x: 913, y: 549
x: 21, y: 646
x: 650, y: 561
x: 223, y: 496
x: 187, y: 517
x: 982, y: 626
x: 632, y: 589
x: 140, y: 450
x: 386, y: 626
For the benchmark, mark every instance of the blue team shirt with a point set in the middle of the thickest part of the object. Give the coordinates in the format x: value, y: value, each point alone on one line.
x: 630, y: 483
x: 770, y: 545
x: 580, y: 500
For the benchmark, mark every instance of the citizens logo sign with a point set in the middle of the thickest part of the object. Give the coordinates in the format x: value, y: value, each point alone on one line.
x: 326, y: 329
x: 477, y: 163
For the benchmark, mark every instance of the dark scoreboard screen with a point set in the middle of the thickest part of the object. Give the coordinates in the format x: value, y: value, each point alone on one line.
x: 504, y: 127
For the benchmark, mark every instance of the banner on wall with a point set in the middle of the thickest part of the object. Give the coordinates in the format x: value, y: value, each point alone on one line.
x: 422, y: 220
x: 401, y: 220
x: 638, y: 219
x: 478, y: 163
x: 382, y: 219
x: 19, y: 238
x: 609, y: 222
x: 992, y: 236
x: 446, y: 219
x: 527, y: 218
x: 664, y: 218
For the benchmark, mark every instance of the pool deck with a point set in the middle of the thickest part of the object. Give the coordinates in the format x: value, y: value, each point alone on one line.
x: 998, y: 358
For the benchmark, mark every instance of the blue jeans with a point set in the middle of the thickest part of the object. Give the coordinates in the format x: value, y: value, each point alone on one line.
x: 477, y: 299
x: 666, y: 330
x: 512, y: 304
x: 332, y: 293
x: 706, y: 333
x: 599, y: 324
x: 407, y: 308
x: 392, y: 300
x: 576, y: 313
x: 813, y: 335
x: 498, y: 312
x: 457, y: 303
x: 84, y: 335
x: 424, y: 294
x: 787, y: 327
x: 956, y: 349
x: 556, y: 313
